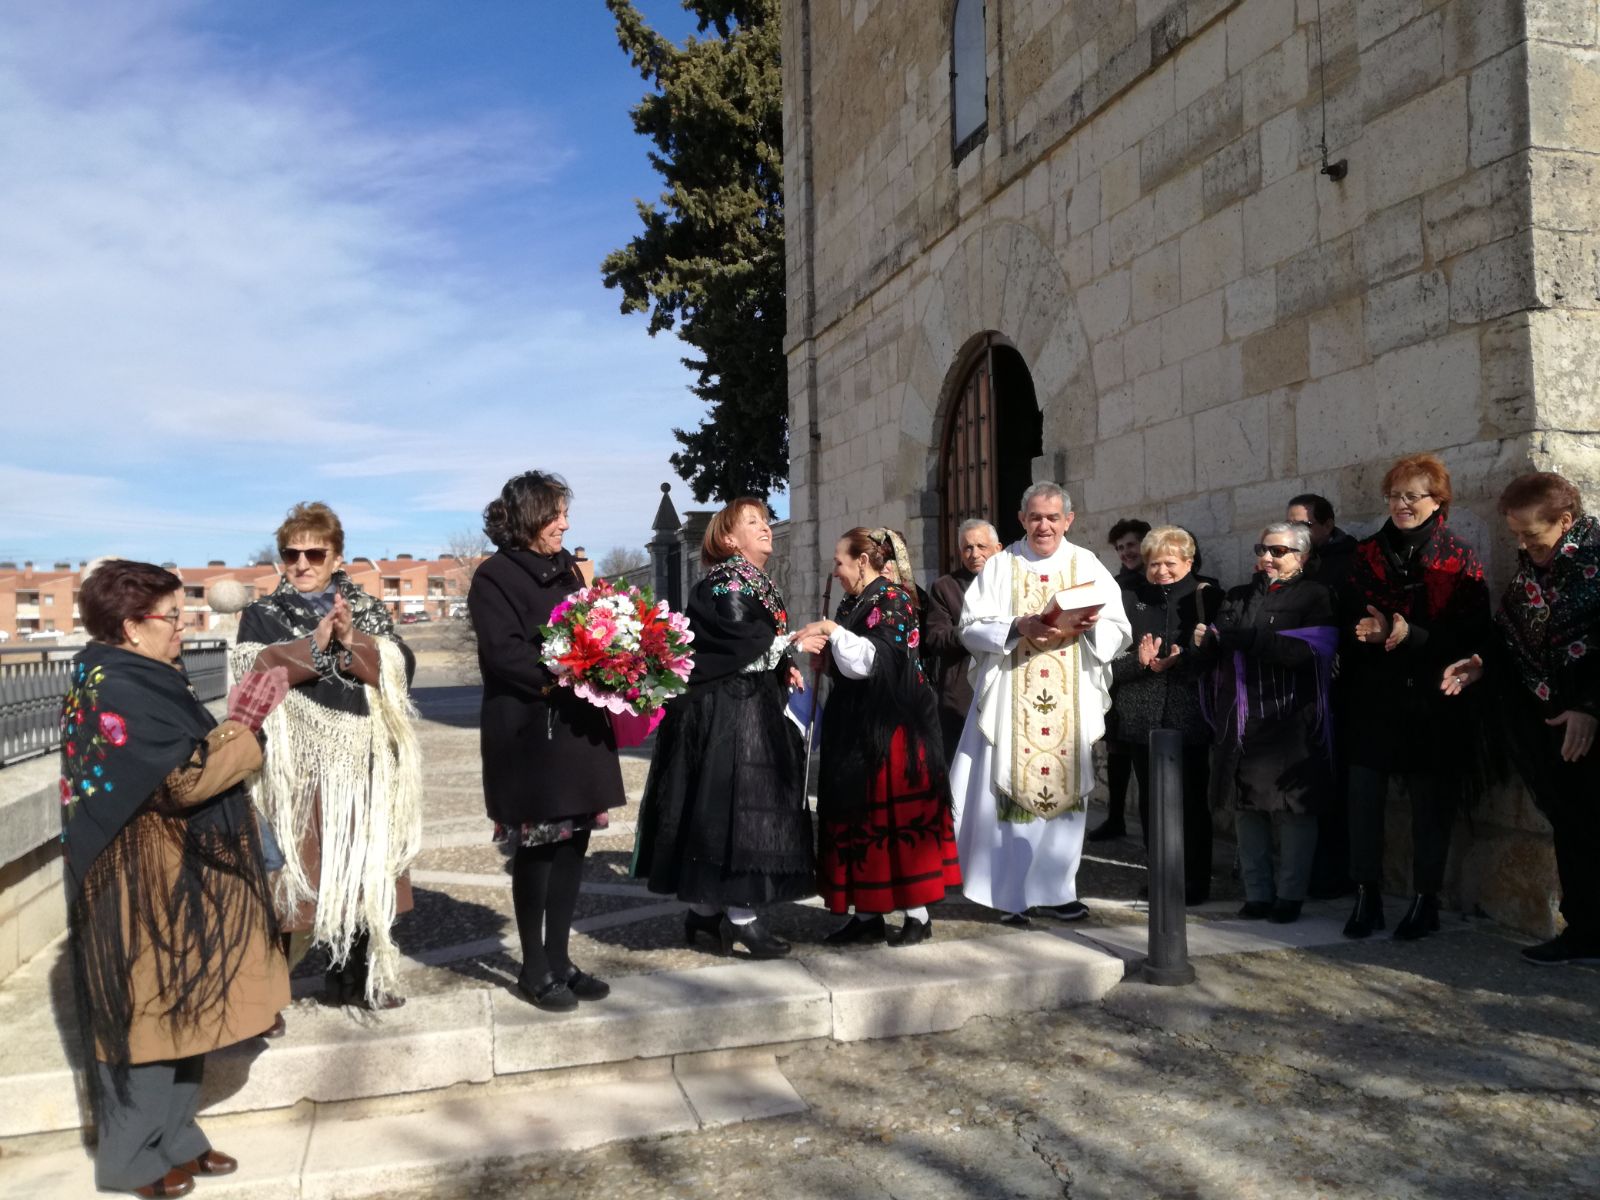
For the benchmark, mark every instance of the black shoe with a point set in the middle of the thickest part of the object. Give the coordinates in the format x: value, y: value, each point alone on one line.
x: 1016, y: 920
x: 872, y: 929
x: 754, y: 937
x: 1562, y: 950
x: 1285, y: 912
x: 549, y: 993
x: 694, y: 924
x: 1421, y: 919
x: 1367, y: 915
x: 1072, y: 910
x: 585, y: 986
x: 912, y: 932
x: 1108, y: 830
x: 1255, y: 910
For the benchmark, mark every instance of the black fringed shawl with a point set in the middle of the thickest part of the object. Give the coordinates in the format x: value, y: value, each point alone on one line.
x: 861, y: 716
x: 127, y: 723
x: 1550, y: 620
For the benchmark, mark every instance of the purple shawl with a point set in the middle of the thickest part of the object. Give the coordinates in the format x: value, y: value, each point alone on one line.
x: 1324, y: 642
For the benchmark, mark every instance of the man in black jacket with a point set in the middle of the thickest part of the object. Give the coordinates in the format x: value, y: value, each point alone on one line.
x: 1334, y: 549
x: 942, y: 650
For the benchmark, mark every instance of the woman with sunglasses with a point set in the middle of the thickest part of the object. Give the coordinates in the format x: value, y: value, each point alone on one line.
x: 1415, y: 601
x: 342, y: 788
x: 1271, y: 653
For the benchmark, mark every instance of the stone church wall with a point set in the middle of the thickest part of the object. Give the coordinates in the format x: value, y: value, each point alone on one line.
x: 1211, y: 324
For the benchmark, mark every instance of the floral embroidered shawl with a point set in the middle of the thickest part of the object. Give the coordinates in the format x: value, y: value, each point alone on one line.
x: 1551, y: 617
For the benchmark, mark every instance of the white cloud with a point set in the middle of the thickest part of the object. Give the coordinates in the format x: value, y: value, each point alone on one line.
x: 213, y: 264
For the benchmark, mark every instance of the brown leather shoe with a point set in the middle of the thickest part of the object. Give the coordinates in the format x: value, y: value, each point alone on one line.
x: 176, y: 1182
x: 212, y: 1162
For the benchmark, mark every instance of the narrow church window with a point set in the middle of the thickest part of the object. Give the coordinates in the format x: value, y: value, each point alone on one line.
x: 969, y: 79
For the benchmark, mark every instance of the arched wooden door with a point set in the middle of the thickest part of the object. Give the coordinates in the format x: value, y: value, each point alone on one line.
x: 992, y: 434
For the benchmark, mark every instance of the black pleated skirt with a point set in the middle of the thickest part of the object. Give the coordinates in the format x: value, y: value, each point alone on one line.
x: 723, y: 819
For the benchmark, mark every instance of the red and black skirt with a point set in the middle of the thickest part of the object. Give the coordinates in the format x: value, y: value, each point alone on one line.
x: 895, y: 851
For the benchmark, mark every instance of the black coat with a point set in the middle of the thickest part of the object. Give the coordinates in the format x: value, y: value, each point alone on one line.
x: 1282, y: 762
x: 943, y: 654
x: 1144, y: 699
x: 547, y: 755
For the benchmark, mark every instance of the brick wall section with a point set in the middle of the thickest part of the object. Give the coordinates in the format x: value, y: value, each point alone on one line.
x: 1211, y: 324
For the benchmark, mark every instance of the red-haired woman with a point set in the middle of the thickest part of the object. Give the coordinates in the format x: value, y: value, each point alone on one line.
x: 1415, y: 601
x: 1545, y: 658
x: 723, y: 824
x: 885, y: 838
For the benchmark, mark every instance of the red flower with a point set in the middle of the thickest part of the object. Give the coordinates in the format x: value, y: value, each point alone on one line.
x: 114, y: 727
x: 915, y: 639
x: 1577, y: 649
x: 1535, y: 596
x: 1542, y: 691
x: 66, y: 791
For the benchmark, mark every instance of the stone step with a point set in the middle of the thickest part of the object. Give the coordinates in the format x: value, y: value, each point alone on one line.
x: 475, y: 1035
x: 343, y: 1152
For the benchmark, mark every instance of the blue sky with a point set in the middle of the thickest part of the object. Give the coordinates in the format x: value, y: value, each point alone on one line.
x: 297, y: 249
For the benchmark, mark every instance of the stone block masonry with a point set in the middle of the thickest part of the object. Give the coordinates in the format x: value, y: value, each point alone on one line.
x: 1210, y: 323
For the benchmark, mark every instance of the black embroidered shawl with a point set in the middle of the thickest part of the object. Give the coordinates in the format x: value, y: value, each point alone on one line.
x: 735, y: 613
x: 127, y: 723
x: 1550, y: 620
x: 862, y: 716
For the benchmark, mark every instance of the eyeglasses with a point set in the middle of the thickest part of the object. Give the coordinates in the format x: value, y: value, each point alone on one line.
x: 172, y: 618
x: 1276, y: 551
x: 316, y: 557
x: 1407, y: 497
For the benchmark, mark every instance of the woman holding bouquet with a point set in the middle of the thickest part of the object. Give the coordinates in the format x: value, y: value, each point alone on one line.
x: 550, y: 767
x: 885, y: 838
x: 724, y: 824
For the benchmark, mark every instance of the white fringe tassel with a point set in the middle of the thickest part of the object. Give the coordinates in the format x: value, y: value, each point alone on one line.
x: 367, y: 772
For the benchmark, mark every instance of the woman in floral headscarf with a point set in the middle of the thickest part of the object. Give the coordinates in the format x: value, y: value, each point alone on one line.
x: 886, y: 839
x: 1545, y: 662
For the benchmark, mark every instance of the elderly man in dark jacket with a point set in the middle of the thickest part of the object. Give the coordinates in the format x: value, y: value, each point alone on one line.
x: 942, y: 650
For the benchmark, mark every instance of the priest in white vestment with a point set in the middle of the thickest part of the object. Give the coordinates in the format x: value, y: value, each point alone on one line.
x: 1024, y: 767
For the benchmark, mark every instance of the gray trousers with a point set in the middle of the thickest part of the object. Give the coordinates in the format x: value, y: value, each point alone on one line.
x: 1297, y: 845
x: 142, y: 1140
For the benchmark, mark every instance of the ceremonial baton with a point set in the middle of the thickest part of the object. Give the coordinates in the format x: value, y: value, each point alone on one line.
x: 816, y: 696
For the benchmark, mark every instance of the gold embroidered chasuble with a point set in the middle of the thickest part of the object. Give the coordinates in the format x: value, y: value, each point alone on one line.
x: 1044, y: 708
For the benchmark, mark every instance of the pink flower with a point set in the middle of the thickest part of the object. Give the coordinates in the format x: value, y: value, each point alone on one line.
x: 1590, y: 571
x: 874, y: 617
x: 114, y: 727
x: 1577, y: 649
x: 1542, y: 691
x: 914, y: 639
x: 1535, y: 596
x: 560, y: 611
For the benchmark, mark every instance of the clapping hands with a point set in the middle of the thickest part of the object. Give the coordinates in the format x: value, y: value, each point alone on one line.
x: 1150, y: 656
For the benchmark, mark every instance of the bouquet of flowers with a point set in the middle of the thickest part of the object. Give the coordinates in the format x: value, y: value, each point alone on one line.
x: 620, y: 650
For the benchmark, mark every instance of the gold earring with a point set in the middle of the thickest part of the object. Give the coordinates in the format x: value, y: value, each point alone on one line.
x: 135, y: 641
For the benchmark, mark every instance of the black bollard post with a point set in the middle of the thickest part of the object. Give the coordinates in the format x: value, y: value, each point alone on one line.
x: 1168, y: 961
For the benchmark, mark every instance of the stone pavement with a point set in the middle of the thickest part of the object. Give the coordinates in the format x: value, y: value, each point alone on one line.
x: 1440, y: 1070
x: 468, y: 1082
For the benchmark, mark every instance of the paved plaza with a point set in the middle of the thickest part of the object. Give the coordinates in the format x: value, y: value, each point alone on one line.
x: 989, y: 1063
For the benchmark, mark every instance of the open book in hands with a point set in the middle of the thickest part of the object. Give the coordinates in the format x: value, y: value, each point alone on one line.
x: 1073, y: 604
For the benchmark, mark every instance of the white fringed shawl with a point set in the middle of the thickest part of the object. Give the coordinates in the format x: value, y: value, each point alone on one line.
x: 367, y: 773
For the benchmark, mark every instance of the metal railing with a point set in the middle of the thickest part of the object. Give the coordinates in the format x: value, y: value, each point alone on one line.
x: 33, y: 681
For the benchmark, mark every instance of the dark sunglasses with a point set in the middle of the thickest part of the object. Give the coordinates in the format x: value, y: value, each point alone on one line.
x: 1275, y: 551
x: 315, y: 557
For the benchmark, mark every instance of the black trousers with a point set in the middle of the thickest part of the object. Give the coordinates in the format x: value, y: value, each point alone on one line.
x: 1119, y: 773
x: 1196, y: 816
x: 1568, y: 794
x: 1433, y: 812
